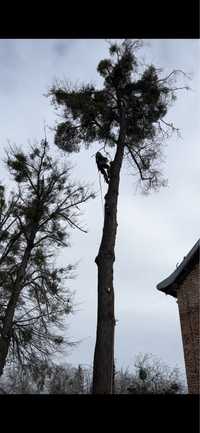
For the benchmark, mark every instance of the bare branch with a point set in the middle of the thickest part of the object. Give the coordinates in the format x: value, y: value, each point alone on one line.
x: 174, y: 72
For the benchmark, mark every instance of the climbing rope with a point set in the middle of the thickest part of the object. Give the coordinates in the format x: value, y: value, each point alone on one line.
x: 101, y: 192
x: 45, y: 133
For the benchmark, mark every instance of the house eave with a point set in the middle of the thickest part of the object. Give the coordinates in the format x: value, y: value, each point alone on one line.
x: 170, y: 284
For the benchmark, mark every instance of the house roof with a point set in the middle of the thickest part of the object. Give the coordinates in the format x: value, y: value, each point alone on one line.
x: 170, y: 284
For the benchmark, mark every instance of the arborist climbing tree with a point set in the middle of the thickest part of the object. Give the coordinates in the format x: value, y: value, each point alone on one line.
x: 127, y: 114
x: 103, y: 166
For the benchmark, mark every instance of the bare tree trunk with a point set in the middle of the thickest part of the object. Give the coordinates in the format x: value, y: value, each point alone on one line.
x: 6, y: 331
x: 104, y: 349
x: 113, y: 382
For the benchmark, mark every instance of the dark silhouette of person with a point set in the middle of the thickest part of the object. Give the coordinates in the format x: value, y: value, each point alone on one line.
x: 103, y: 166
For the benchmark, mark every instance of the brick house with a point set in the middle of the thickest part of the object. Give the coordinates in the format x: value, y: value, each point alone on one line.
x: 184, y: 284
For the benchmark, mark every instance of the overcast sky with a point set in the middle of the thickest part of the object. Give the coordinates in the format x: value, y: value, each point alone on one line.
x: 154, y: 232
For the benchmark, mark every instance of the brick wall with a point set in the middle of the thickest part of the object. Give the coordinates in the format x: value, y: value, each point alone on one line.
x: 188, y: 303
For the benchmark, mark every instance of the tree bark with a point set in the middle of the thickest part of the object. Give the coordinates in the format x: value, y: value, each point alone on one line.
x: 6, y: 331
x: 104, y: 348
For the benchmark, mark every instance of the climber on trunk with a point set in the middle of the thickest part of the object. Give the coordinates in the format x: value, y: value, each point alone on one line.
x: 103, y: 166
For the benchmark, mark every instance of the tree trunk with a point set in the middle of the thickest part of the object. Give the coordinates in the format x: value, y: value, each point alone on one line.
x: 113, y: 381
x: 6, y: 331
x: 104, y: 349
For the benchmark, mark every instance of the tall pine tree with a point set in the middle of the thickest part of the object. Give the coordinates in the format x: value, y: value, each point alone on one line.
x: 127, y: 114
